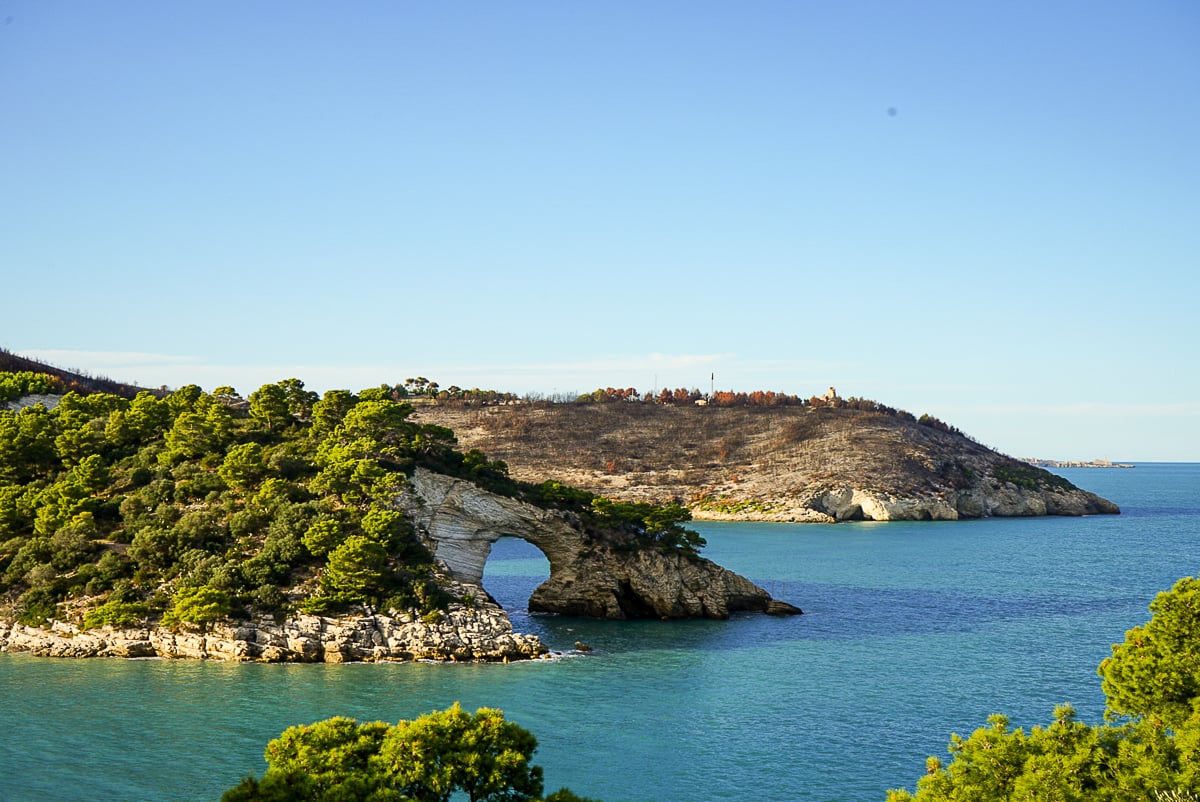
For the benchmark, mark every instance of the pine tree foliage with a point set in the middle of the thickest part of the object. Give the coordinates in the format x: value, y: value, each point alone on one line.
x: 480, y: 757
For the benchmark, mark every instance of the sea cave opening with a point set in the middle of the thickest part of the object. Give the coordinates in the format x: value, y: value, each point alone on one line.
x: 513, y: 571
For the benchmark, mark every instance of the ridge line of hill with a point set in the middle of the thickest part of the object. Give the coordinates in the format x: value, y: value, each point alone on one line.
x: 72, y: 379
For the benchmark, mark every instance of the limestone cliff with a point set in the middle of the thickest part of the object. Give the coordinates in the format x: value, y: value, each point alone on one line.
x: 588, y: 576
x: 983, y: 500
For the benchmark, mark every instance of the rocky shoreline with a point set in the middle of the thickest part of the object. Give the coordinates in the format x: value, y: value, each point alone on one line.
x: 992, y: 499
x: 462, y: 635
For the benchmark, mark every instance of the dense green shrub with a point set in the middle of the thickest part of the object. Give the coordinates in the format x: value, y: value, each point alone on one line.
x: 200, y: 606
x: 1028, y: 476
x: 25, y: 382
x: 323, y: 536
x: 115, y: 613
x: 442, y: 755
x: 36, y: 606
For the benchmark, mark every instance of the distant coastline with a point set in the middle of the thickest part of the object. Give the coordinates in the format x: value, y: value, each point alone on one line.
x: 1092, y: 463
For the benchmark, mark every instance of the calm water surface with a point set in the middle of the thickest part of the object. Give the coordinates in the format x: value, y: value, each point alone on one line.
x: 910, y: 632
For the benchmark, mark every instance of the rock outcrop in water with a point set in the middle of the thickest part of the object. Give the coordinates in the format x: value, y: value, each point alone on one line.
x: 588, y: 577
x: 603, y: 582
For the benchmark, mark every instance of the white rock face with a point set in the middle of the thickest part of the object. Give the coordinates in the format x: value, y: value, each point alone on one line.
x: 462, y: 522
x: 48, y: 401
x: 848, y: 504
x: 989, y: 498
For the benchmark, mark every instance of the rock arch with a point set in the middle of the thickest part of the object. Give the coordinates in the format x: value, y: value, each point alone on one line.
x: 461, y: 521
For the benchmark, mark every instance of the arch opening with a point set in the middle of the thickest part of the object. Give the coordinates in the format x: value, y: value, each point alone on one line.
x: 513, y: 570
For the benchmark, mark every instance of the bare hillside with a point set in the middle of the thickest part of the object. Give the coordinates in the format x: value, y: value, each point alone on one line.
x: 772, y: 463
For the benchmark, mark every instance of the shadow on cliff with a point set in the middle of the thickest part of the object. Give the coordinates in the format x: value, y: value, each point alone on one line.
x: 516, y: 568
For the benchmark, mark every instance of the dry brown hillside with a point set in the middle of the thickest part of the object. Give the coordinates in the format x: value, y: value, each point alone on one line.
x: 767, y: 462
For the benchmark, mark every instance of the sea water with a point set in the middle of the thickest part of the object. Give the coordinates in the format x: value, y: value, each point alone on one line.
x: 911, y: 631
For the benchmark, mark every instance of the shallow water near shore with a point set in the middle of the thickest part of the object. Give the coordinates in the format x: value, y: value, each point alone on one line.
x: 911, y: 631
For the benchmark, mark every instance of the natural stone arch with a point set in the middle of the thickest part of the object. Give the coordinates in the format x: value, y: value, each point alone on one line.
x: 460, y: 521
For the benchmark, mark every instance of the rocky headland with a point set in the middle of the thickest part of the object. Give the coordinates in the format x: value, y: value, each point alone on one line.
x: 789, y: 464
x: 459, y: 522
x: 1074, y: 463
x: 287, y: 527
x: 450, y: 524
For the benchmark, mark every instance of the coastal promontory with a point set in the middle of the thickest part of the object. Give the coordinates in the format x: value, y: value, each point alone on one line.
x: 823, y: 459
x: 291, y: 527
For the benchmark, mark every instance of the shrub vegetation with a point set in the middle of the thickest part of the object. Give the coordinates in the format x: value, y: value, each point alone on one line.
x: 442, y: 755
x: 1028, y: 476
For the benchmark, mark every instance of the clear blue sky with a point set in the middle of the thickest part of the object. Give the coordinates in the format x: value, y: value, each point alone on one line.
x: 989, y: 212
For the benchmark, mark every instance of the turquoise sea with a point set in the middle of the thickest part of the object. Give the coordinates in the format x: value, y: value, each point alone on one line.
x: 910, y: 632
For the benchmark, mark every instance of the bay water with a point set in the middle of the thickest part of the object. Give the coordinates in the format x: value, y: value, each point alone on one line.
x: 911, y: 631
